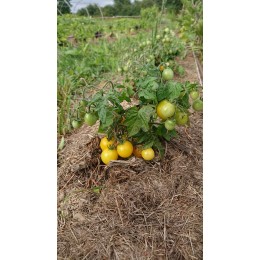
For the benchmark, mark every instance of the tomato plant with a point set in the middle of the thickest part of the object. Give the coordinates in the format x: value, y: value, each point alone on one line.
x: 148, y: 122
x: 148, y: 154
x: 109, y: 154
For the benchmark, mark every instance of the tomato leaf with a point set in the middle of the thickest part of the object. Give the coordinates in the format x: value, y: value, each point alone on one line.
x: 166, y: 134
x: 147, y: 94
x: 170, y: 91
x: 184, y: 101
x: 138, y: 119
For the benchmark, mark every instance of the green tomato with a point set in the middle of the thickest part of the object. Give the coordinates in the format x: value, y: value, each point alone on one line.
x: 194, y: 94
x: 165, y: 109
x: 125, y: 68
x: 197, y: 105
x: 181, y: 118
x: 76, y: 124
x: 90, y: 119
x: 83, y: 103
x: 167, y: 74
x: 166, y: 30
x: 170, y: 124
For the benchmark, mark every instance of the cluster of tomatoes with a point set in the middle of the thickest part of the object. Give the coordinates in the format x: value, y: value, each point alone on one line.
x: 111, y: 150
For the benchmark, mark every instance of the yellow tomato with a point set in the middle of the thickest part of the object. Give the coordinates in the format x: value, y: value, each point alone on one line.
x: 109, y: 154
x: 137, y: 152
x: 148, y: 154
x: 105, y: 143
x: 125, y: 149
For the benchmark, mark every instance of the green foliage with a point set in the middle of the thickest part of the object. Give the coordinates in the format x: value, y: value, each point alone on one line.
x: 148, y: 14
x: 63, y: 7
x: 190, y: 23
x: 91, y: 9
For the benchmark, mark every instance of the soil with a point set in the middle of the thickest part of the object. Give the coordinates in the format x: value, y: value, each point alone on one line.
x: 132, y: 209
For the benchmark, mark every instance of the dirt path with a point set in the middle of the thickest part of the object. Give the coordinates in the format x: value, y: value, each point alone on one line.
x: 145, y: 210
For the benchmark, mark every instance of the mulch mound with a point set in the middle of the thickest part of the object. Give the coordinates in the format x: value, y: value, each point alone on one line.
x: 142, y: 210
x: 131, y: 209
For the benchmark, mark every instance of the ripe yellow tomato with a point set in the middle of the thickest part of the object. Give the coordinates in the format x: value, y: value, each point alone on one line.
x: 148, y: 154
x: 105, y: 143
x: 109, y: 154
x: 125, y: 149
x: 137, y: 152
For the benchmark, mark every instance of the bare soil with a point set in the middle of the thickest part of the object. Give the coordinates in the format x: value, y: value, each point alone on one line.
x: 141, y: 210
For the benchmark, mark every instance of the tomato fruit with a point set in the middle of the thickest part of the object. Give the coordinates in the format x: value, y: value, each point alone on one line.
x: 170, y: 124
x: 167, y: 74
x: 137, y: 152
x: 197, y: 105
x: 83, y: 103
x: 161, y: 68
x: 182, y: 118
x: 105, y: 143
x: 165, y: 109
x: 194, y: 94
x: 109, y: 154
x: 125, y: 149
x: 90, y: 119
x: 76, y: 124
x: 167, y: 30
x: 148, y: 154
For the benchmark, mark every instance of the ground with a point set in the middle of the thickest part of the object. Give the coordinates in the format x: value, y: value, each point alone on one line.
x: 140, y: 210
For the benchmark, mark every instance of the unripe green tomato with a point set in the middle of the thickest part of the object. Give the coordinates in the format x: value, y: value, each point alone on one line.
x: 194, y: 94
x: 181, y: 118
x: 167, y: 74
x: 125, y: 68
x: 165, y: 109
x: 90, y: 119
x: 167, y: 30
x: 76, y: 124
x: 197, y: 105
x: 170, y: 124
x: 83, y: 103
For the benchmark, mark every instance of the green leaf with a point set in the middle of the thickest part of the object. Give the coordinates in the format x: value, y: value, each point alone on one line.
x: 147, y: 94
x: 105, y: 115
x: 170, y: 91
x: 62, y: 143
x: 184, y: 101
x: 137, y: 120
x: 163, y: 132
